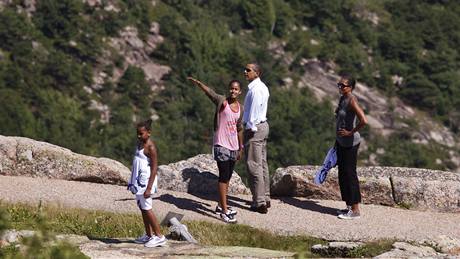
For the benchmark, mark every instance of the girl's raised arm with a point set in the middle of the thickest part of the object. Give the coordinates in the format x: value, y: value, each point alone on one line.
x: 206, y: 89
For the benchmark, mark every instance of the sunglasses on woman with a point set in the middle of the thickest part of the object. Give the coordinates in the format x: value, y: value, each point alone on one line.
x: 342, y: 85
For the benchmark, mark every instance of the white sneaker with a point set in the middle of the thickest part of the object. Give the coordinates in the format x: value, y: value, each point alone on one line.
x: 349, y: 215
x: 227, y: 218
x: 230, y: 211
x: 142, y: 239
x: 344, y: 211
x: 156, y: 241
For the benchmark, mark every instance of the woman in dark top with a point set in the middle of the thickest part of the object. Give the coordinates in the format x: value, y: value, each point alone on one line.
x: 347, y: 143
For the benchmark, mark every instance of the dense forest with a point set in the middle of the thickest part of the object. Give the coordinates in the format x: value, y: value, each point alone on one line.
x: 48, y: 57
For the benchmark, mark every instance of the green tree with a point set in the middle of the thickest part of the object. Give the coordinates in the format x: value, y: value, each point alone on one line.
x: 400, y: 151
x: 301, y: 131
x: 62, y: 120
x: 15, y: 116
x: 133, y: 84
x: 59, y: 19
x: 284, y: 18
x: 420, y: 91
x: 14, y: 29
x: 260, y: 15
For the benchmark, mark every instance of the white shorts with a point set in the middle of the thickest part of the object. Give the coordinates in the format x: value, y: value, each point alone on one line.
x: 143, y: 203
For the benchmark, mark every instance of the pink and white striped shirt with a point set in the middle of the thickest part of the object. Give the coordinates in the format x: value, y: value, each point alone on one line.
x: 226, y: 134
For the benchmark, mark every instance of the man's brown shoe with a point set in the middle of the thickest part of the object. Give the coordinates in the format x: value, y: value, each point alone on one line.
x: 261, y: 209
x: 268, y: 204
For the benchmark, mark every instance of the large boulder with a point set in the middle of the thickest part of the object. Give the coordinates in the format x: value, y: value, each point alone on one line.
x: 409, y: 187
x: 198, y: 175
x: 26, y: 157
x: 126, y: 248
x: 406, y: 250
x: 445, y: 244
x: 299, y: 181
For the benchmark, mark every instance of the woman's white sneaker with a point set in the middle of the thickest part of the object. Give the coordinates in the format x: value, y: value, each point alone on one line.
x: 344, y: 211
x: 142, y: 239
x: 350, y: 215
x: 156, y: 241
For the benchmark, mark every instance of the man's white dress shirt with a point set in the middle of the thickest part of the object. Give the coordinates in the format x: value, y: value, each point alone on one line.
x: 255, y: 104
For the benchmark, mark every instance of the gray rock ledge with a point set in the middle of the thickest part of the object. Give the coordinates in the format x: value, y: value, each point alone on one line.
x: 27, y: 157
x: 411, y: 188
x: 199, y: 175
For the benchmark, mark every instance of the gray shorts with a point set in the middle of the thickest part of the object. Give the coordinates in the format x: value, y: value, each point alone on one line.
x: 222, y: 154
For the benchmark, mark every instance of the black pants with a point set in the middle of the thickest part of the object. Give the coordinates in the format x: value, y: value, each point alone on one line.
x: 348, y: 178
x: 225, y: 170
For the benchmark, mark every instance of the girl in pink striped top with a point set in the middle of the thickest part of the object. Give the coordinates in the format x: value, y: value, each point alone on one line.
x: 228, y: 139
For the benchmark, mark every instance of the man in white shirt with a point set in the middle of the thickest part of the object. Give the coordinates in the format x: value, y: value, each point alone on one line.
x: 255, y: 138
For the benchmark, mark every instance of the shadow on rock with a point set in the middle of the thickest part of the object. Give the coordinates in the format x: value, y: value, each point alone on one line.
x: 111, y: 240
x: 197, y: 179
x: 188, y: 204
x: 126, y: 199
x: 309, y: 205
x: 237, y: 202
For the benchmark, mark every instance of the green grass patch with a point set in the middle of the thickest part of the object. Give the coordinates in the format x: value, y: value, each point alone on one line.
x: 101, y: 224
x: 42, y: 245
x: 9, y: 251
x: 242, y: 235
x: 37, y: 249
x: 372, y: 249
x: 63, y: 220
x: 405, y: 205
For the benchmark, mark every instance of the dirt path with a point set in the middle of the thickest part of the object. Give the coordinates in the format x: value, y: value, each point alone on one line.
x: 287, y: 216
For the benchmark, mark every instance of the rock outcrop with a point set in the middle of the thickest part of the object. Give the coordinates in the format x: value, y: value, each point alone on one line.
x: 336, y: 249
x: 378, y: 108
x: 131, y: 50
x: 408, y: 187
x: 198, y: 174
x: 446, y: 244
x: 14, y: 236
x: 398, y: 249
x: 411, y: 188
x: 126, y: 248
x: 136, y: 52
x: 27, y: 157
x: 406, y: 250
x: 122, y: 248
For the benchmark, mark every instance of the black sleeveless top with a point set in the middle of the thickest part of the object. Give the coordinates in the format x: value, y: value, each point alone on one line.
x: 346, y: 119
